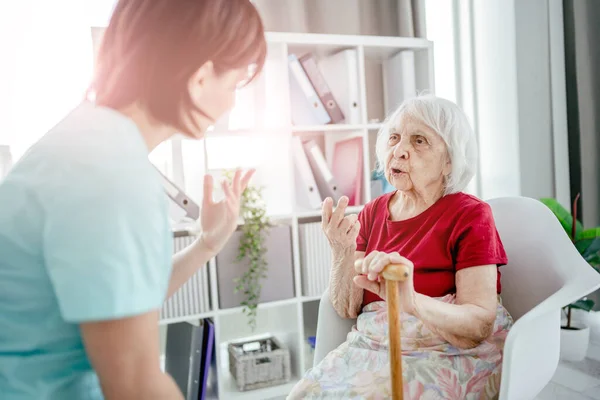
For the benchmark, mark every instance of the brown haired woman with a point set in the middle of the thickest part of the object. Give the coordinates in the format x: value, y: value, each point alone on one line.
x: 84, y: 235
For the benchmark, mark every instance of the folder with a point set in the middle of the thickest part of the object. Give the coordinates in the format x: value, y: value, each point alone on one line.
x: 307, y: 191
x: 347, y: 167
x: 326, y: 182
x: 306, y: 106
x: 309, y: 64
x: 183, y: 357
x: 181, y: 205
x: 340, y: 70
x: 399, y: 79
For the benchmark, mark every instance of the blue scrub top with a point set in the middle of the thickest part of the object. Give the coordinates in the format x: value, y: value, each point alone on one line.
x: 84, y: 236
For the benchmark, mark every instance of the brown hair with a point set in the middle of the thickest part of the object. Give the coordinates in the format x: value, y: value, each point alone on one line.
x: 151, y: 48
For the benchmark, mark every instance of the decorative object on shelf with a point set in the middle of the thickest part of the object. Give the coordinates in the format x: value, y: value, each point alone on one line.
x: 309, y: 352
x: 379, y: 184
x: 255, y: 228
x: 575, y: 335
x: 257, y: 364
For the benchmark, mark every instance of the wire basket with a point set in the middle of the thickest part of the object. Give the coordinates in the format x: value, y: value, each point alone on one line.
x: 257, y: 364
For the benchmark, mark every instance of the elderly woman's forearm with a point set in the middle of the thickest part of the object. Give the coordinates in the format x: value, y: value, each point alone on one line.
x: 345, y: 296
x: 462, y: 325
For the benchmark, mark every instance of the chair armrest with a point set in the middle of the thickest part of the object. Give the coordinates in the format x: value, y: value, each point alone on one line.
x: 332, y: 329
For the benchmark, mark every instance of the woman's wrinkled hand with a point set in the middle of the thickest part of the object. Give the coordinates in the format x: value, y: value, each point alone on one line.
x: 341, y: 231
x: 369, y: 277
x: 219, y: 219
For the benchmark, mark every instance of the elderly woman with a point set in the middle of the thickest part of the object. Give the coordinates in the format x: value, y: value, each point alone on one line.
x: 453, y: 325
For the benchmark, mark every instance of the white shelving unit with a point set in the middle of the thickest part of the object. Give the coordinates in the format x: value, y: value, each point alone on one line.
x: 257, y: 133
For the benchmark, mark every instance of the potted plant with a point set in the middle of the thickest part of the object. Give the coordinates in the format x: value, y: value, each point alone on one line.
x: 252, y: 247
x: 575, y: 333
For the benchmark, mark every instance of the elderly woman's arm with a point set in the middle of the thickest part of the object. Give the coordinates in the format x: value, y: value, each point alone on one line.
x: 471, y: 320
x: 345, y: 296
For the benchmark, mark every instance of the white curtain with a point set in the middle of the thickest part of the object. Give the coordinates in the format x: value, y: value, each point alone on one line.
x: 358, y: 17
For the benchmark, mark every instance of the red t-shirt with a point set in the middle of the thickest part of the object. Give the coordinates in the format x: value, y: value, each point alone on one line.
x: 456, y: 232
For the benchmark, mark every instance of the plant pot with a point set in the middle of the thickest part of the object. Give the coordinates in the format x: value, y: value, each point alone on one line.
x: 574, y: 342
x: 590, y: 319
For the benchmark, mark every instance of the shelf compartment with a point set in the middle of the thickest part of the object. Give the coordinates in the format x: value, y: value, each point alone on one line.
x: 282, y: 322
x: 279, y: 284
x: 193, y: 297
x: 315, y: 258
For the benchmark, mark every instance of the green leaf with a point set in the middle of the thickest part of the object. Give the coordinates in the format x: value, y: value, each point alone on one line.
x: 588, y: 242
x: 252, y: 249
x: 564, y: 217
x: 585, y: 305
x: 594, y: 260
x: 593, y: 233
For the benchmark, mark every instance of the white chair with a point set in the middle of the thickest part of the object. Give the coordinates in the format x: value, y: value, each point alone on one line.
x: 544, y: 273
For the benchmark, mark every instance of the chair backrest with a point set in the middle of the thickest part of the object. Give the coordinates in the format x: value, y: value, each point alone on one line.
x: 528, y: 233
x: 544, y: 273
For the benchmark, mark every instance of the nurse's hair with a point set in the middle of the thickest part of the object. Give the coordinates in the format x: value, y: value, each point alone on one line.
x: 447, y: 120
x: 151, y: 48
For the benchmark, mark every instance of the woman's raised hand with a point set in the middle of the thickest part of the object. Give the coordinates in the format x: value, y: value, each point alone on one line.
x: 340, y: 230
x: 370, y: 268
x: 219, y: 219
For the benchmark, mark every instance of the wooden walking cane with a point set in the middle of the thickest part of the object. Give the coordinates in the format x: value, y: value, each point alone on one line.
x: 393, y: 274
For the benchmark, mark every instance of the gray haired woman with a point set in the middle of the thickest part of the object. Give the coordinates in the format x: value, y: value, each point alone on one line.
x: 453, y: 323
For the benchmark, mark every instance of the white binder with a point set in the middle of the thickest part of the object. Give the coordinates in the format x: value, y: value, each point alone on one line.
x: 340, y: 70
x: 306, y: 106
x: 326, y: 182
x: 307, y: 191
x: 400, y: 81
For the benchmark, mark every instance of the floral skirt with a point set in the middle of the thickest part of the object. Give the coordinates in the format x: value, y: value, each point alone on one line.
x: 432, y: 368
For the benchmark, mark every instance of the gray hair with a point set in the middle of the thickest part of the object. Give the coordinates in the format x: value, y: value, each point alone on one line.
x: 446, y: 119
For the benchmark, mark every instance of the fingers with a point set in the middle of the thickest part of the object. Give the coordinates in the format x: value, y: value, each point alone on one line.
x: 235, y: 182
x: 339, y: 212
x: 207, y: 198
x: 361, y: 266
x: 380, y: 261
x: 347, y: 223
x: 354, y: 230
x: 239, y: 183
x: 246, y: 179
x: 227, y: 190
x: 376, y: 261
x: 326, y: 211
x: 395, y: 258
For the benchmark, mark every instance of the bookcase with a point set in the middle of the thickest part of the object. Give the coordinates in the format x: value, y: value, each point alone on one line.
x: 259, y: 133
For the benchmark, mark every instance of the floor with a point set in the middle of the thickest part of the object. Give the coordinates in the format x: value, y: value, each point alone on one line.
x: 576, y: 381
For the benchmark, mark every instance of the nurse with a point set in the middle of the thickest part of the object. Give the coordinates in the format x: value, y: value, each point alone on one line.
x: 85, y: 244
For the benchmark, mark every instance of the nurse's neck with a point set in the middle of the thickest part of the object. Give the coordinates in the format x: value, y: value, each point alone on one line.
x: 152, y: 131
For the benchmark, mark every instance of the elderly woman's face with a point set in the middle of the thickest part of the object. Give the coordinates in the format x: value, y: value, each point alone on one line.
x: 417, y: 158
